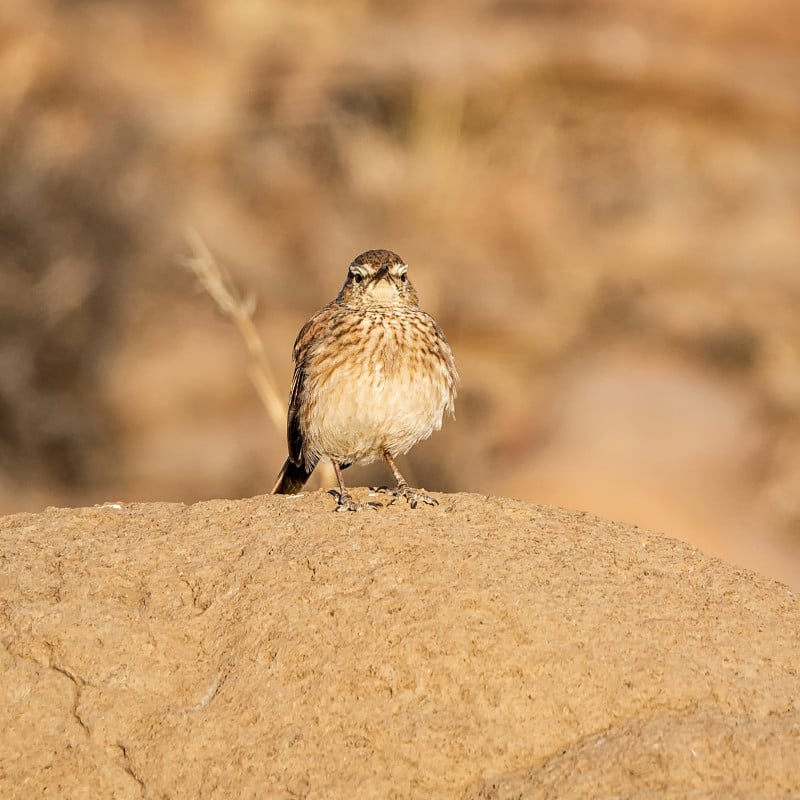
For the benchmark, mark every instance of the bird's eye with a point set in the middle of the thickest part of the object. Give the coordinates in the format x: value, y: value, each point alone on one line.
x: 404, y: 277
x: 358, y: 278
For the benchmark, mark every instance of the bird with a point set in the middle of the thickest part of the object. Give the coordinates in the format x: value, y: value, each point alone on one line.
x: 373, y: 376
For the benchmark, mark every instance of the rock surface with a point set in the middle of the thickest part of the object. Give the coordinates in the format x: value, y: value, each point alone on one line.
x: 485, y: 648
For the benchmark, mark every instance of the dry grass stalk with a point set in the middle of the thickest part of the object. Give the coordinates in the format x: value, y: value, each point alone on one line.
x: 218, y: 283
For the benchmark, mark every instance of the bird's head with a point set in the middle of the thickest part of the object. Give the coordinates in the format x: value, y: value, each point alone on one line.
x: 378, y: 278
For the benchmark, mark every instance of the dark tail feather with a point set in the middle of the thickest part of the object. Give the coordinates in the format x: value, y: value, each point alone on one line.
x: 291, y: 479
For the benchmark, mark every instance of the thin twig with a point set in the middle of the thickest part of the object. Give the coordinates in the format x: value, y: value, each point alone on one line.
x: 218, y: 283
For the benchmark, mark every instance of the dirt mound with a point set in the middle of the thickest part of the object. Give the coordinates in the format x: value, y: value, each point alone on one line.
x: 484, y: 648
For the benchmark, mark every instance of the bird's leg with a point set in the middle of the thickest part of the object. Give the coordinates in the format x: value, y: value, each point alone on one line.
x: 413, y: 496
x: 344, y: 499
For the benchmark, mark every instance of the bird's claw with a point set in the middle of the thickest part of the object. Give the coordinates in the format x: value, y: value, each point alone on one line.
x: 413, y: 496
x: 345, y: 502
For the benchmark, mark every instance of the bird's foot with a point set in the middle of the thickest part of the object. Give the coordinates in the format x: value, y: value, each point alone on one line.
x: 413, y: 496
x: 345, y: 502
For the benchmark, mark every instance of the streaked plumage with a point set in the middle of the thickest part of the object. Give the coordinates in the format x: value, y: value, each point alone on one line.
x: 373, y: 376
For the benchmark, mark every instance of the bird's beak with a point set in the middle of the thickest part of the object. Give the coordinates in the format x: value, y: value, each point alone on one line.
x: 382, y: 272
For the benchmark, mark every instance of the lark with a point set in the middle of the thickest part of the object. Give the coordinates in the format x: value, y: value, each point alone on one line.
x: 373, y: 375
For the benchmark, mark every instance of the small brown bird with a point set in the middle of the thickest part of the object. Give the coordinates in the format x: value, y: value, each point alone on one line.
x: 373, y: 375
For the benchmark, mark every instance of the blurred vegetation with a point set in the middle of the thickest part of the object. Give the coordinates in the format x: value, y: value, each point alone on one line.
x: 588, y: 194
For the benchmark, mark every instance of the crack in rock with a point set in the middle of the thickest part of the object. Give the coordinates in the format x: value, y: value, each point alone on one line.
x: 77, y: 685
x: 128, y: 767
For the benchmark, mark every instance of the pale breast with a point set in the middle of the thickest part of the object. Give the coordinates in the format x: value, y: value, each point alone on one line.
x: 385, y: 388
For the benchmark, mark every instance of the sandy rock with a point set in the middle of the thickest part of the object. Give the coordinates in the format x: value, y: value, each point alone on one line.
x: 485, y: 648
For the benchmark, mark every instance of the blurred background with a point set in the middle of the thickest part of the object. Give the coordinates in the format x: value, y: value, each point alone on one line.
x: 599, y: 201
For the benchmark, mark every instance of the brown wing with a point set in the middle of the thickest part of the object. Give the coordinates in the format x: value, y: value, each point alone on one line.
x: 317, y: 325
x: 446, y: 354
